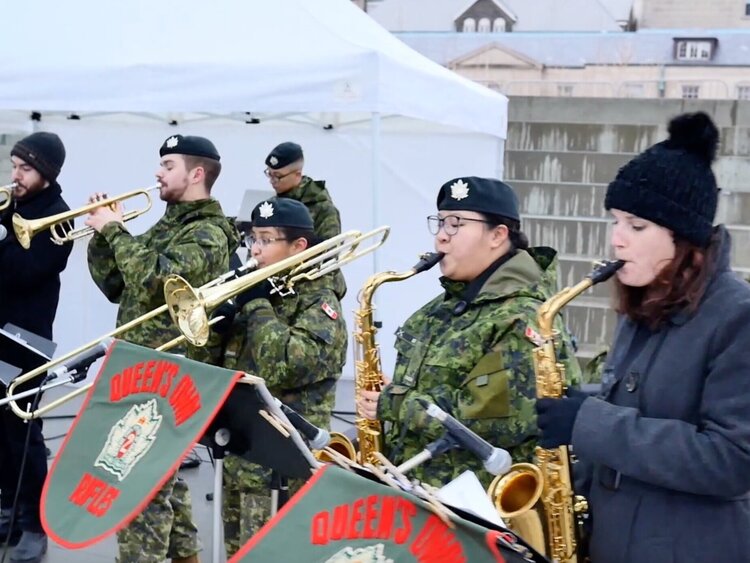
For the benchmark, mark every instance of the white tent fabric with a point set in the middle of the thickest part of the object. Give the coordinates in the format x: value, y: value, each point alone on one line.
x: 383, y: 125
x: 227, y: 56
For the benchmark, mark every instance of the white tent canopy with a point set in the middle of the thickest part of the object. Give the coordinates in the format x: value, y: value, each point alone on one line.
x: 382, y: 124
x: 227, y: 56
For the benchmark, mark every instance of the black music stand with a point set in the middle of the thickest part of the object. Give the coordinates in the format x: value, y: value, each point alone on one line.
x: 251, y: 425
x: 21, y: 351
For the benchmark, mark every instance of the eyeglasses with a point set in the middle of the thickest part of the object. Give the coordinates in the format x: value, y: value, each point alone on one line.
x: 449, y: 223
x: 250, y: 240
x: 276, y: 177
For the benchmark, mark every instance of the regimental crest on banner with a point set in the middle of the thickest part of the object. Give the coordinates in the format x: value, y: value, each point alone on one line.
x: 144, y: 412
x: 130, y: 439
x: 370, y: 554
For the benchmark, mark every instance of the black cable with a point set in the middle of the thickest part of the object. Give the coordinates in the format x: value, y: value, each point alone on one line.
x: 14, y: 508
x: 342, y: 419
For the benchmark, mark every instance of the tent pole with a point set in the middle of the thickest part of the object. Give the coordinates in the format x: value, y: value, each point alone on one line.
x: 375, y: 131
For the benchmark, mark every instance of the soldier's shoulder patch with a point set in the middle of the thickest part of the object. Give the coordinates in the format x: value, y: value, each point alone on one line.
x: 533, y: 336
x: 330, y: 311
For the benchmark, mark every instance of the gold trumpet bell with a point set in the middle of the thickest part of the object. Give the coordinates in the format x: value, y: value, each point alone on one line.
x: 24, y: 230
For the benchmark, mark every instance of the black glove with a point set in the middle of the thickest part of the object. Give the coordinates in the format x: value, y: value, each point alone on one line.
x: 259, y: 290
x: 556, y: 417
x: 227, y: 310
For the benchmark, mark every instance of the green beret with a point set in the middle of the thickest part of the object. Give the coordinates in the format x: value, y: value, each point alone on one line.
x: 189, y: 145
x: 284, y: 155
x: 483, y: 195
x: 282, y: 212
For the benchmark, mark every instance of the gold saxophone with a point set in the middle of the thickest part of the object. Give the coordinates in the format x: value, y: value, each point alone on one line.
x: 368, y: 372
x: 368, y: 367
x: 538, y: 501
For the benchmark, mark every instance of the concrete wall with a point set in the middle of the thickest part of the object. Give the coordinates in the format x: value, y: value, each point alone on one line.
x: 706, y: 14
x: 560, y: 156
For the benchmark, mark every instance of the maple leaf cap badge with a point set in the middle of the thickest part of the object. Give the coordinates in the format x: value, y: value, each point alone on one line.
x: 273, y: 160
x: 459, y: 190
x: 172, y: 142
x: 266, y: 209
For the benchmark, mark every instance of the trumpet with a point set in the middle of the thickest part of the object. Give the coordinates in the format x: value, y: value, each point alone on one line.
x: 190, y: 308
x: 6, y: 195
x: 249, y: 266
x: 61, y: 225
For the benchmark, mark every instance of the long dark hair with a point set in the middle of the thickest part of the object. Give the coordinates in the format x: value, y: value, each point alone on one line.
x: 518, y: 238
x: 680, y: 286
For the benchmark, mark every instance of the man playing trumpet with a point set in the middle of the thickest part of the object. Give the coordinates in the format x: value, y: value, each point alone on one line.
x: 194, y: 240
x: 30, y: 286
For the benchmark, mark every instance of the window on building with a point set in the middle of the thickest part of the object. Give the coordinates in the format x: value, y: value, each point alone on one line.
x: 694, y: 50
x: 565, y: 90
x: 484, y: 25
x: 690, y: 91
x: 743, y: 92
x: 498, y: 25
x: 470, y: 25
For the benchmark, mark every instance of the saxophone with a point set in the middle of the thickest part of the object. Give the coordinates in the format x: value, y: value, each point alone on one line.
x: 367, y: 355
x: 538, y: 499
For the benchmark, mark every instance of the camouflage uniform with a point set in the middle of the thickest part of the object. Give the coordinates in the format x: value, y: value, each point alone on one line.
x: 299, y: 350
x: 326, y: 218
x: 194, y: 240
x: 315, y: 196
x: 477, y: 364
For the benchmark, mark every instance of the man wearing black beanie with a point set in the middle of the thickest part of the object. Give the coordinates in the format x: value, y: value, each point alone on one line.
x: 30, y: 284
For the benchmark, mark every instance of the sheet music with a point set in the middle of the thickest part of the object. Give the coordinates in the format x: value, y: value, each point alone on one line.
x: 466, y: 492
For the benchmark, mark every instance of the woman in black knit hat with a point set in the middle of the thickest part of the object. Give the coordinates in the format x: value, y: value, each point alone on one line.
x: 665, y: 448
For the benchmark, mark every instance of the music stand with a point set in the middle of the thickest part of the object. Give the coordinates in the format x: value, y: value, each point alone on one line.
x: 251, y: 425
x: 21, y: 351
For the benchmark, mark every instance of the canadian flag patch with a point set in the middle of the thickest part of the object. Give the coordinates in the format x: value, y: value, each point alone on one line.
x: 534, y: 336
x: 328, y: 310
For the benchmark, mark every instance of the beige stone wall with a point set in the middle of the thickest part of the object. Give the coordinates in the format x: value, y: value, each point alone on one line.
x: 561, y: 154
x: 615, y: 81
x: 700, y: 14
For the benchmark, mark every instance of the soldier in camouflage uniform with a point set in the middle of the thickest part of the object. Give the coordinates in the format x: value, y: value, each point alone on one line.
x: 193, y: 239
x: 284, y: 171
x: 469, y: 350
x: 296, y: 343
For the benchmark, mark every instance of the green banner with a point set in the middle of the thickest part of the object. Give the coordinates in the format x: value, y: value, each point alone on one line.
x: 339, y: 516
x: 141, y: 417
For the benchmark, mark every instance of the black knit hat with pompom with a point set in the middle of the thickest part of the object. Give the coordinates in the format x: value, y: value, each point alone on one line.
x: 671, y: 183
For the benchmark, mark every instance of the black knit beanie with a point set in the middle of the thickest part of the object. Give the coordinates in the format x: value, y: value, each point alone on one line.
x: 44, y: 151
x: 671, y: 183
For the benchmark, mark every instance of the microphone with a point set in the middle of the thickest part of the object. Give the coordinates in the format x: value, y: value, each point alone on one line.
x: 495, y: 460
x: 318, y: 438
x: 3, y: 232
x: 81, y: 363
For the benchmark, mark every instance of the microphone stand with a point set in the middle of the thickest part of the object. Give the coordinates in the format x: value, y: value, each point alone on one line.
x: 74, y: 376
x: 433, y: 449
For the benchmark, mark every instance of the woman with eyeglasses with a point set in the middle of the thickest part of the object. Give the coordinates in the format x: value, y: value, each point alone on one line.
x: 469, y: 350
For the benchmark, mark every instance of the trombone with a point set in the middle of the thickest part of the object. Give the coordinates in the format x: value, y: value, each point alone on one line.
x: 249, y: 266
x: 61, y: 225
x: 6, y: 195
x: 310, y: 264
x: 190, y: 307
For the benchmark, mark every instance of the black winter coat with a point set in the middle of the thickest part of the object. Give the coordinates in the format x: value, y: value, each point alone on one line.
x: 30, y: 279
x: 669, y: 443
